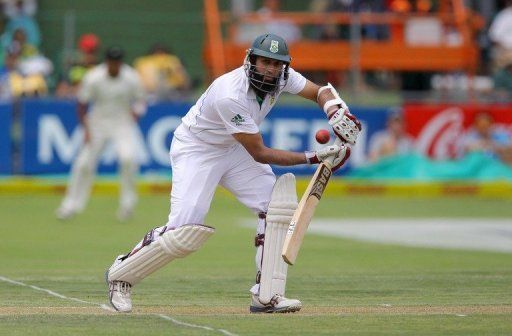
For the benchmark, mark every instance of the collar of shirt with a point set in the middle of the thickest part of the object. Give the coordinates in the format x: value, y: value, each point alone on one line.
x: 251, y: 94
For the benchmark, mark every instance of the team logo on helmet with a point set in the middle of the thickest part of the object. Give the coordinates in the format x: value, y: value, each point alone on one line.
x: 274, y: 46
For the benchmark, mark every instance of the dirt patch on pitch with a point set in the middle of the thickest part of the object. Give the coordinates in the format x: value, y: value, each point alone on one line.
x: 53, y: 311
x: 412, y: 310
x: 307, y: 311
x: 356, y: 310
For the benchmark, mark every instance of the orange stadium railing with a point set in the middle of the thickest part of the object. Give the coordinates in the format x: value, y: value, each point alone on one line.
x: 223, y: 52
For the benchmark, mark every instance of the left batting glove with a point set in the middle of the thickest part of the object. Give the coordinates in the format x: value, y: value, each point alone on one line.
x: 336, y: 154
x: 345, y: 125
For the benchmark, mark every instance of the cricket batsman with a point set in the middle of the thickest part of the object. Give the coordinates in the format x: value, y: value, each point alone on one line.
x: 219, y: 143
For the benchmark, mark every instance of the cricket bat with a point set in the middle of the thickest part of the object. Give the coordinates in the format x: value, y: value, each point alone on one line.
x: 305, y: 211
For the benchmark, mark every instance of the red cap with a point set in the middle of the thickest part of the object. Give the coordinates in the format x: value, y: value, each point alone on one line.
x: 89, y: 43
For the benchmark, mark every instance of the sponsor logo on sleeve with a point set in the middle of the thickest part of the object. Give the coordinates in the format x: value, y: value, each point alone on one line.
x: 237, y: 120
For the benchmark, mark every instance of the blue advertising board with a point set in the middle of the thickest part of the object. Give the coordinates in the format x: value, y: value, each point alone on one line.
x: 5, y: 138
x: 52, y: 139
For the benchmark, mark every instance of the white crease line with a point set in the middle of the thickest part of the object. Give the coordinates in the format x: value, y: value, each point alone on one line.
x: 168, y: 318
x: 106, y: 307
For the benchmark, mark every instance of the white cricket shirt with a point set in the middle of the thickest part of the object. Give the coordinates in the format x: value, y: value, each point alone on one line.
x: 229, y: 106
x: 111, y: 98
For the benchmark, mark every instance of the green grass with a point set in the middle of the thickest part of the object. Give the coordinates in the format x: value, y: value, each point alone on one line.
x: 347, y: 287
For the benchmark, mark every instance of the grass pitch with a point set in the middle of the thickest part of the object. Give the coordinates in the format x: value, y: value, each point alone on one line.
x: 347, y: 287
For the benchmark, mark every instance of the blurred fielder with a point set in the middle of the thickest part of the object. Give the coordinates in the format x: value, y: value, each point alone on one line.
x: 114, y: 93
x: 219, y: 143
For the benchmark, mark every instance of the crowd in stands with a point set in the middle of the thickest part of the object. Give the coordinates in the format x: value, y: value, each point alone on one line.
x: 393, y: 140
x: 489, y: 138
x: 163, y: 75
x: 26, y: 72
x: 500, y: 33
x: 484, y: 136
x: 77, y: 64
x: 492, y: 33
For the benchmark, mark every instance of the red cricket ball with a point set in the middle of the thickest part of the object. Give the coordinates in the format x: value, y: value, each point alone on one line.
x: 322, y: 136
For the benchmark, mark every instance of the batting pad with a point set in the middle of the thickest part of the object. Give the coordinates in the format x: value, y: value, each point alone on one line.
x: 177, y: 243
x: 283, y: 203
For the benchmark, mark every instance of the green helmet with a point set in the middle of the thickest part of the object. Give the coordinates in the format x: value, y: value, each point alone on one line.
x: 273, y: 47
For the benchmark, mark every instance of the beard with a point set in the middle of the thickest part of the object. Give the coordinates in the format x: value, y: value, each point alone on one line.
x: 262, y: 85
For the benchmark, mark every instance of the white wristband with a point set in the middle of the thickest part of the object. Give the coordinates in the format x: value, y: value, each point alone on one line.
x: 332, y: 102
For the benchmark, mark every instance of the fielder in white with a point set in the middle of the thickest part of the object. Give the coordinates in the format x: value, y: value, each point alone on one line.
x: 219, y: 143
x: 114, y: 95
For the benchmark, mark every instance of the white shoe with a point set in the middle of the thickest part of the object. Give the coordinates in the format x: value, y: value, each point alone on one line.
x: 278, y: 304
x: 119, y: 292
x: 124, y: 213
x: 64, y: 213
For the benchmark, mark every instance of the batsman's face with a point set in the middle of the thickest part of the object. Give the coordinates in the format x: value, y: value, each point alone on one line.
x: 269, y: 68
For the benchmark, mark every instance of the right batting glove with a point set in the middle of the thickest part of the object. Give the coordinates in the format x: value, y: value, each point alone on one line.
x: 345, y: 125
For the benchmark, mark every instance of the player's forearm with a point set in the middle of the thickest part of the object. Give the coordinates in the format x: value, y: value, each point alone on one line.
x: 279, y: 157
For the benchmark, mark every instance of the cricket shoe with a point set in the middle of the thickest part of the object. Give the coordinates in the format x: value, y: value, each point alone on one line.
x: 119, y: 292
x: 64, y: 213
x: 278, y: 304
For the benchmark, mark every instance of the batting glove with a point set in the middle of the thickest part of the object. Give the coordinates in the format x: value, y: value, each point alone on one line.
x: 336, y: 155
x: 345, y: 125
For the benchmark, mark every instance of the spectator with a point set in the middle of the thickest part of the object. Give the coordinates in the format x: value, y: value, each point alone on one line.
x: 23, y: 76
x: 20, y: 46
x: 500, y: 34
x: 503, y: 80
x: 33, y: 68
x: 163, y: 75
x: 287, y: 29
x: 20, y: 14
x: 391, y: 141
x: 13, y: 8
x: 486, y: 137
x: 115, y: 96
x: 372, y: 31
x: 330, y: 30
x: 85, y: 58
x: 270, y: 24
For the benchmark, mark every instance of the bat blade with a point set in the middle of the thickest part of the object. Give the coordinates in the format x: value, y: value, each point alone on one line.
x: 304, y: 213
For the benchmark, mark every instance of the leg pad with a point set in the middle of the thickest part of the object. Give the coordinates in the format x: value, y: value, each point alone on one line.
x: 282, y: 205
x: 172, y: 244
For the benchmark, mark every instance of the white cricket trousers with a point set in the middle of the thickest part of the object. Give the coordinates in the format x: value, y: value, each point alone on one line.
x: 121, y: 134
x: 198, y: 168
